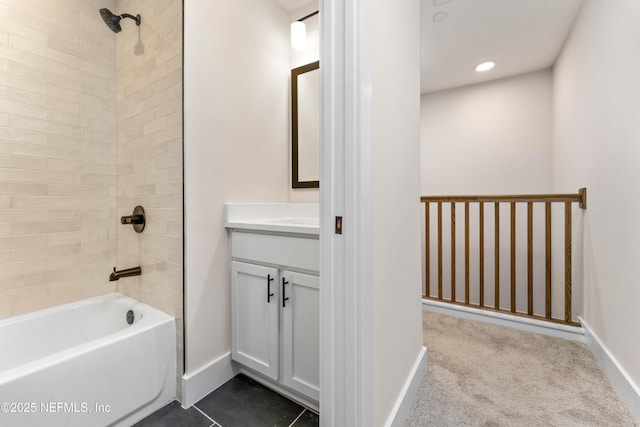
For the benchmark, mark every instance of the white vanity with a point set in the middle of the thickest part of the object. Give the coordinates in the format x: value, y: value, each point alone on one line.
x: 275, y: 292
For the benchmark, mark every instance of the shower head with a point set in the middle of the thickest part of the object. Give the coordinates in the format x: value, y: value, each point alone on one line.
x: 113, y: 21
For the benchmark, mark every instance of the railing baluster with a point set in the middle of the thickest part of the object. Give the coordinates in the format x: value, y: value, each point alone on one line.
x: 453, y: 251
x: 513, y: 200
x: 496, y: 274
x: 530, y: 259
x: 481, y: 244
x: 567, y: 262
x: 439, y: 250
x: 427, y: 238
x: 513, y: 257
x: 547, y: 209
x: 466, y: 252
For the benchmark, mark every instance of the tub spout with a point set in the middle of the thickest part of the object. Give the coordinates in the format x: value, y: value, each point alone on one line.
x: 116, y: 275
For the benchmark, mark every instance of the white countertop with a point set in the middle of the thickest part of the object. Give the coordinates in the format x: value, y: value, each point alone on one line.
x: 297, y: 218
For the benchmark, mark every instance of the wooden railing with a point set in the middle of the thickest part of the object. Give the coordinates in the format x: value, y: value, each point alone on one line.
x: 467, y: 201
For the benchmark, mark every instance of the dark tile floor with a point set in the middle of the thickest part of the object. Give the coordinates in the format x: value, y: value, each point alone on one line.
x: 240, y: 402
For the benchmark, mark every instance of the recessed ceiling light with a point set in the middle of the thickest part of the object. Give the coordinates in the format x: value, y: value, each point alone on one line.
x: 440, y: 16
x: 485, y: 66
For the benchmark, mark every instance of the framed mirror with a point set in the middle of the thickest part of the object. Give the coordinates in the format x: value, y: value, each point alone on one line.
x: 305, y: 126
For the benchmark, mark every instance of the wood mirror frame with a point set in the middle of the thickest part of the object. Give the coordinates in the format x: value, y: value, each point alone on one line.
x: 295, y: 148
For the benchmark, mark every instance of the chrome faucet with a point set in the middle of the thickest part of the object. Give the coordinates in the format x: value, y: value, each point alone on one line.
x: 116, y: 275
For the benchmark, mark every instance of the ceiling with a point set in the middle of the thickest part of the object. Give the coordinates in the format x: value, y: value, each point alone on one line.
x: 292, y: 5
x: 518, y: 35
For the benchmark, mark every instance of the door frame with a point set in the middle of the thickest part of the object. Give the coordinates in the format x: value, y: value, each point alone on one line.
x: 346, y: 342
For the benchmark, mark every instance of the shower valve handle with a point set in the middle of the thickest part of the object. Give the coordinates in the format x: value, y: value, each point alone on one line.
x: 137, y: 219
x: 132, y: 219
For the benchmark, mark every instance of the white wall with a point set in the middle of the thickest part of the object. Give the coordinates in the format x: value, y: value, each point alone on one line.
x: 495, y: 138
x: 310, y: 53
x: 397, y: 325
x: 236, y: 145
x: 596, y: 131
x: 488, y: 138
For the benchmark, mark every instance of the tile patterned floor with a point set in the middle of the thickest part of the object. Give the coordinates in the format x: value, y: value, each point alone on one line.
x: 240, y: 402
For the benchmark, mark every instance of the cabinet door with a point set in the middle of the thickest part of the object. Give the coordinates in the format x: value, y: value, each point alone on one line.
x: 301, y: 333
x: 255, y: 297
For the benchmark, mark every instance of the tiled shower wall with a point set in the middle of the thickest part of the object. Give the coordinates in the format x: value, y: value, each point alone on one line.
x: 57, y: 153
x: 149, y: 139
x: 67, y: 85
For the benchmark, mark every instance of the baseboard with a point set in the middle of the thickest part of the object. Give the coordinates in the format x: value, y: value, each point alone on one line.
x: 198, y: 384
x: 557, y: 330
x: 622, y: 382
x: 401, y: 409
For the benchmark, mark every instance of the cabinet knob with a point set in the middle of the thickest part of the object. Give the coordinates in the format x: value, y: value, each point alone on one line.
x: 284, y: 299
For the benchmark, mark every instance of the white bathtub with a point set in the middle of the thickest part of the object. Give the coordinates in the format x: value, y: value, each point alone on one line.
x: 82, y: 364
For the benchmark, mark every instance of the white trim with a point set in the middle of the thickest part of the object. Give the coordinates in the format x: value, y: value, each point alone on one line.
x: 346, y: 343
x: 400, y: 411
x: 573, y: 333
x: 332, y: 393
x: 198, y: 384
x: 622, y: 382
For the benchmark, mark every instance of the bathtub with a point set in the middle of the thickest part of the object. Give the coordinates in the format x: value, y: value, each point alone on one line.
x: 82, y: 364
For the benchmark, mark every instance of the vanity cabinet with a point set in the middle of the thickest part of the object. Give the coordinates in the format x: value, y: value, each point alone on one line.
x: 255, y: 323
x: 301, y: 333
x: 275, y: 308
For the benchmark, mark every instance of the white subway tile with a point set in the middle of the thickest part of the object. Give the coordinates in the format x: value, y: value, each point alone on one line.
x: 12, y: 215
x: 9, y: 188
x: 24, y: 293
x: 15, y: 162
x: 63, y: 141
x: 99, y: 224
x: 65, y: 46
x: 43, y: 126
x: 42, y: 50
x: 175, y: 229
x: 156, y: 176
x: 5, y: 202
x: 171, y: 187
x: 44, y: 227
x: 77, y: 97
x: 34, y: 73
x: 19, y: 109
x: 53, y: 177
x: 20, y: 135
x: 56, y: 104
x: 28, y: 279
x: 63, y: 165
x: 22, y: 268
x: 44, y: 252
x: 98, y: 179
x: 21, y: 96
x: 19, y: 55
x: 43, y: 152
x: 169, y: 161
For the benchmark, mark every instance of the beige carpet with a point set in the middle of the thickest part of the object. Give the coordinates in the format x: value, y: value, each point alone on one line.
x: 486, y: 375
